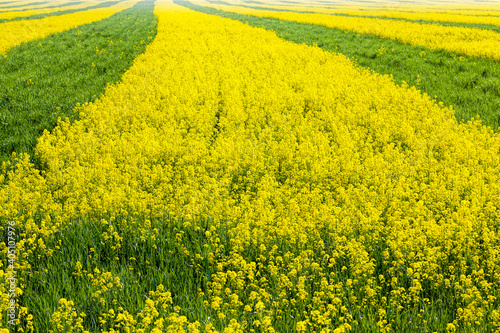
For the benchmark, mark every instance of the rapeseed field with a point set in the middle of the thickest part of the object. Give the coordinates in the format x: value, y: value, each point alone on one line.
x: 233, y: 179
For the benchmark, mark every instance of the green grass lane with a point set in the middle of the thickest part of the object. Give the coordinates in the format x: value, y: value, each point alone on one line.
x: 44, y: 79
x: 445, y: 24
x: 471, y: 85
x: 218, y: 2
x: 63, y: 12
x: 254, y: 2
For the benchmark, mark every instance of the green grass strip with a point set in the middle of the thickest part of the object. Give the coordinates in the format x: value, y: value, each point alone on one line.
x: 44, y: 79
x: 471, y: 85
x: 254, y: 2
x: 445, y: 24
x: 63, y: 12
x: 217, y: 2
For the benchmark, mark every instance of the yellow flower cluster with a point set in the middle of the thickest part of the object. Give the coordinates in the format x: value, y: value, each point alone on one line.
x: 341, y: 193
x: 66, y: 319
x: 17, y: 32
x: 24, y: 13
x: 472, y: 42
x: 104, y: 283
x: 157, y: 316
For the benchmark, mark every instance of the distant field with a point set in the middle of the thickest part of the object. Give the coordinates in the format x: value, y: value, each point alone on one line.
x: 249, y: 166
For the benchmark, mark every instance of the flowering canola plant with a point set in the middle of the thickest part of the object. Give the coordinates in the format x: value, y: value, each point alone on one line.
x: 471, y: 42
x: 347, y: 200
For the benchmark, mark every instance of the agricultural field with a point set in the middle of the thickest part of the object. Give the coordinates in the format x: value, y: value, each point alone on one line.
x: 249, y: 166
